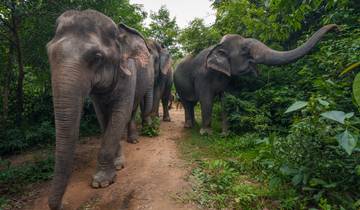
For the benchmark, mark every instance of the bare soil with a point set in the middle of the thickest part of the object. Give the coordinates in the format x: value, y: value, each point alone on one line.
x: 153, y: 177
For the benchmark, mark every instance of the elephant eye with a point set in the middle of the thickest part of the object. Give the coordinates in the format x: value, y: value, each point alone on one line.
x: 94, y: 57
x: 98, y: 57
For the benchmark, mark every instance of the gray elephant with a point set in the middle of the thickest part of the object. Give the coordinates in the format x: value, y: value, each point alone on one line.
x: 163, y: 78
x: 202, y: 77
x: 145, y: 77
x: 90, y: 56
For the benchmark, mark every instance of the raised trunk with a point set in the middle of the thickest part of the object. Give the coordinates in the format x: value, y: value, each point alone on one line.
x: 68, y: 102
x: 265, y: 55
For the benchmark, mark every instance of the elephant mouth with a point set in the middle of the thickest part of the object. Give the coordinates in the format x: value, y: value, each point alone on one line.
x: 250, y: 71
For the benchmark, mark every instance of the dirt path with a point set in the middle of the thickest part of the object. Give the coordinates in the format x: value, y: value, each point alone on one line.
x: 152, y: 179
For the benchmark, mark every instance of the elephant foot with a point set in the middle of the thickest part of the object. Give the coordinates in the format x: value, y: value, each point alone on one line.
x: 166, y: 119
x: 55, y: 204
x: 205, y: 131
x: 103, y: 179
x: 119, y: 162
x: 133, y: 137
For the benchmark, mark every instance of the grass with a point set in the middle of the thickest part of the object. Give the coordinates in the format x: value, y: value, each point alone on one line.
x: 226, y: 173
x: 16, y: 180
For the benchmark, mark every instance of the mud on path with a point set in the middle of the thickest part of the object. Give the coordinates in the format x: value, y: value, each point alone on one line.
x: 153, y: 177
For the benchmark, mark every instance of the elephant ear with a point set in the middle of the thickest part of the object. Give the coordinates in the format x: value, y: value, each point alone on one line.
x: 165, y: 61
x: 133, y: 45
x: 218, y: 60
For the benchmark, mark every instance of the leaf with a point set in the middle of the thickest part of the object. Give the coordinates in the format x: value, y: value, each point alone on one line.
x: 349, y: 115
x: 323, y: 102
x: 357, y: 170
x: 297, y: 179
x: 351, y: 67
x: 286, y: 170
x: 296, y: 106
x: 316, y: 182
x: 338, y: 116
x: 347, y: 141
x: 356, y: 89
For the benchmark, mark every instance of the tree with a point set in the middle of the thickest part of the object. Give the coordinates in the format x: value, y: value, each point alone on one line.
x: 197, y: 36
x: 165, y: 30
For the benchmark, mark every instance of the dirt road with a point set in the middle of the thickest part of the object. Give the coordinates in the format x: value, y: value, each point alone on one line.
x: 153, y: 177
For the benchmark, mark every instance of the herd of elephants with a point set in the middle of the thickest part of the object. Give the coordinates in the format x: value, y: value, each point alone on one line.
x: 91, y: 56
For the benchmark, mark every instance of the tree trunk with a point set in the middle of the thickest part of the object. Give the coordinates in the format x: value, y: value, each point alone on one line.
x: 6, y: 90
x: 20, y: 80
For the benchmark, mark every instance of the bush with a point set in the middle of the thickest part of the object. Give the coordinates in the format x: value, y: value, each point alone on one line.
x: 152, y: 129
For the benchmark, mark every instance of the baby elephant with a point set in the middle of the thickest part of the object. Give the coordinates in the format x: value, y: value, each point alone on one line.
x: 203, y: 76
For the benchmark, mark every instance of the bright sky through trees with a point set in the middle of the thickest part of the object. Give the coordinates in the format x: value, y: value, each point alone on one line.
x: 183, y: 10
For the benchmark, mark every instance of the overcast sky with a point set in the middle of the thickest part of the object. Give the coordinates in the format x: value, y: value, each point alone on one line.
x: 183, y: 10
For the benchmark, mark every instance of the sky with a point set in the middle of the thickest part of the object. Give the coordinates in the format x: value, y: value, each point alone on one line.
x: 183, y: 10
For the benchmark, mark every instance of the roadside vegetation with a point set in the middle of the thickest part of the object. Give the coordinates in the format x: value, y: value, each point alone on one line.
x: 294, y: 141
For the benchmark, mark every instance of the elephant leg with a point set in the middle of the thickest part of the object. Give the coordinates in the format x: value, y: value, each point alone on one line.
x: 224, y: 118
x: 119, y: 161
x: 110, y: 147
x: 189, y: 114
x: 133, y: 134
x: 166, y: 115
x: 206, y: 113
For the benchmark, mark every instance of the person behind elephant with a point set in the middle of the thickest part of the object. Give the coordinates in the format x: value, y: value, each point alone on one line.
x: 206, y: 75
x: 90, y: 55
x: 163, y: 78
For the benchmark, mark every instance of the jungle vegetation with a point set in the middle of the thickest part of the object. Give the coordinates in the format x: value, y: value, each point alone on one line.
x: 295, y: 129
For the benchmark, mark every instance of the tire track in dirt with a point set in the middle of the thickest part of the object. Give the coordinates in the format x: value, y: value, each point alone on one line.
x: 153, y: 176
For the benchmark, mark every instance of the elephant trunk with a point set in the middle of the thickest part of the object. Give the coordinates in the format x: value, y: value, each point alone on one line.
x: 68, y: 99
x: 148, y: 104
x: 157, y: 98
x: 264, y: 55
x: 149, y: 100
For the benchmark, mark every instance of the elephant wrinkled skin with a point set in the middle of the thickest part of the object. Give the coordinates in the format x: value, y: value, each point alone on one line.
x: 90, y: 56
x: 163, y: 78
x: 202, y: 77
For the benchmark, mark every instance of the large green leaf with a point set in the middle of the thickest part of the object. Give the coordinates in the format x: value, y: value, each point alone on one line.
x: 296, y: 106
x: 356, y: 89
x: 347, y: 141
x: 338, y: 116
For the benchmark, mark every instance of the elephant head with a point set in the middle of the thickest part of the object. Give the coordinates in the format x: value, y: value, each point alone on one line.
x: 86, y: 57
x: 236, y: 55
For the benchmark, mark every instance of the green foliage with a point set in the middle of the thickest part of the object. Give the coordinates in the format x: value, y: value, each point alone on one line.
x: 311, y: 152
x: 15, y: 179
x: 197, y: 36
x: 356, y: 89
x: 152, y: 129
x: 164, y: 29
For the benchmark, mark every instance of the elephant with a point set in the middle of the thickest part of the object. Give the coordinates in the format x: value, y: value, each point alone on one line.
x: 90, y: 55
x: 145, y: 78
x: 203, y: 76
x: 163, y: 78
